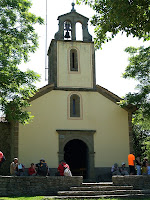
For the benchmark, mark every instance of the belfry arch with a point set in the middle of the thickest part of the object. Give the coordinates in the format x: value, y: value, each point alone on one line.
x: 72, y: 17
x: 85, y: 136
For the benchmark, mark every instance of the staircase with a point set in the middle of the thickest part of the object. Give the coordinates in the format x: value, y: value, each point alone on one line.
x: 100, y: 190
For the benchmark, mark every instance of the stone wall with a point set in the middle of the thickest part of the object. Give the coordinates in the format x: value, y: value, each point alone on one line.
x: 8, y: 143
x: 138, y: 182
x: 5, y: 146
x: 36, y: 186
x: 103, y: 174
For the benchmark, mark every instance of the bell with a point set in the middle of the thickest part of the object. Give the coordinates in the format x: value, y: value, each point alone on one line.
x: 67, y: 35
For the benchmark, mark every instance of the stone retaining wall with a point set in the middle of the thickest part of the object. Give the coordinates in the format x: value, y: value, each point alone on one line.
x: 103, y: 174
x: 138, y: 182
x: 36, y: 186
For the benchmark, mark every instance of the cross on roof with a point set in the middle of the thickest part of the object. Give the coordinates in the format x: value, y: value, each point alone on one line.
x: 73, y: 4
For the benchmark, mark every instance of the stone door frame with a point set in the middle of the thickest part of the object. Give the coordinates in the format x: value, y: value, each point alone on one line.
x: 87, y: 136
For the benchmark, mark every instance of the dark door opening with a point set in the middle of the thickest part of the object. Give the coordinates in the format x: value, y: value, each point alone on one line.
x: 76, y: 155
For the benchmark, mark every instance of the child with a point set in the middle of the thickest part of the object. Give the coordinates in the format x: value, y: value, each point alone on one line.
x: 32, y: 170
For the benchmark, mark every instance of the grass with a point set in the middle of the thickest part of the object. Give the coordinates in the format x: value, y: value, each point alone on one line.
x: 42, y: 198
x: 22, y: 198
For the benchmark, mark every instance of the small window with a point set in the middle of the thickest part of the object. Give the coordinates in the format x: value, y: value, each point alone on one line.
x: 74, y: 106
x: 73, y: 60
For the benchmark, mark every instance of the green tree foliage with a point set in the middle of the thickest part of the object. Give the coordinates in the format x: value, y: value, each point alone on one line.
x: 18, y: 39
x: 112, y: 16
x: 139, y: 70
x: 133, y: 18
x: 141, y: 141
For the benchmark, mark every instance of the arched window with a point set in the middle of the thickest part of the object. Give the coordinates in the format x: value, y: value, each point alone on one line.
x: 74, y: 105
x: 73, y: 60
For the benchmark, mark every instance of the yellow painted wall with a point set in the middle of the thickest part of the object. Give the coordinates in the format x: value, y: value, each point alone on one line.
x: 84, y: 77
x: 111, y: 140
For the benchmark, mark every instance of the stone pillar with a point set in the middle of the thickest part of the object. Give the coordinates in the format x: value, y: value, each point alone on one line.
x: 73, y: 31
x: 14, y: 139
x: 86, y: 35
x: 61, y: 29
x: 60, y: 156
x: 130, y: 132
x: 91, y: 171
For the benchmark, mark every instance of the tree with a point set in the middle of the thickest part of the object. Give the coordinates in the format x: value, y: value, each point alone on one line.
x: 139, y: 70
x: 141, y: 141
x: 18, y: 39
x: 133, y: 18
x: 113, y: 16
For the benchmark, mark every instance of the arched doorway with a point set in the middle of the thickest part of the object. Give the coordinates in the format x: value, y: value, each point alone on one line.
x: 86, y: 137
x: 76, y: 155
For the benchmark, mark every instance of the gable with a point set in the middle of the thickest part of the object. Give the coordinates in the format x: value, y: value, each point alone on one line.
x: 106, y: 93
x: 73, y: 14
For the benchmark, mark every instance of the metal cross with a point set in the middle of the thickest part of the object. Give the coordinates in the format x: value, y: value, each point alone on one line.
x: 73, y: 4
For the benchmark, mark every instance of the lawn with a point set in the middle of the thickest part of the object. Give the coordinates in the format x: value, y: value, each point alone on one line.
x: 21, y: 198
x: 42, y: 198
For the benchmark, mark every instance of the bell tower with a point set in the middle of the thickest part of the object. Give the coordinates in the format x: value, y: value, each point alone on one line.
x: 71, y: 62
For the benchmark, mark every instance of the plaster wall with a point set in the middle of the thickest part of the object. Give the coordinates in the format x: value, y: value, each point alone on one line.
x: 39, y: 139
x: 84, y: 77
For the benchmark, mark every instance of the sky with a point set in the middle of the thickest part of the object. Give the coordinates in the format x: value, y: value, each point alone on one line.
x: 111, y: 61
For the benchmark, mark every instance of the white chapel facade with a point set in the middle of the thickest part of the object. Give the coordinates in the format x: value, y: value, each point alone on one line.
x: 75, y: 119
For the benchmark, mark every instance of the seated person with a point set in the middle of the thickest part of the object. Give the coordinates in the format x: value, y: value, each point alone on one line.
x: 2, y: 158
x: 32, y: 171
x: 115, y: 170
x: 148, y: 168
x: 20, y: 169
x: 13, y: 167
x: 61, y: 168
x: 123, y: 170
x: 42, y: 168
x: 144, y: 166
x: 67, y: 171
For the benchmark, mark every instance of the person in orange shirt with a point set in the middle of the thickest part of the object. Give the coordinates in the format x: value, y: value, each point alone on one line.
x: 131, y: 163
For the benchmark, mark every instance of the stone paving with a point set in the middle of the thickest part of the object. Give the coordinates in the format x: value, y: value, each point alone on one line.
x: 100, y: 190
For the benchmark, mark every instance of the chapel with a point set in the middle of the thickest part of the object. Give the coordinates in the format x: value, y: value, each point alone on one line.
x: 74, y: 119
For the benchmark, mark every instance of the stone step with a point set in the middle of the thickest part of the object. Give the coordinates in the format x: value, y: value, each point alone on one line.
x: 97, y: 184
x: 101, y: 188
x: 135, y: 196
x: 95, y: 193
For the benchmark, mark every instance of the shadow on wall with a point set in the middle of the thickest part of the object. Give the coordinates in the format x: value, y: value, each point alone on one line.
x: 5, y: 146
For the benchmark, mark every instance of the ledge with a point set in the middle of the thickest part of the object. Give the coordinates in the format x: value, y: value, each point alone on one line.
x: 36, y: 185
x: 84, y: 131
x: 138, y: 182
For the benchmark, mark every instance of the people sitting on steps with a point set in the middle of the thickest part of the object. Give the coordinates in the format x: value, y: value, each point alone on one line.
x: 32, y: 171
x: 42, y: 168
x: 123, y: 169
x: 63, y: 169
x: 16, y: 168
x: 115, y: 170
